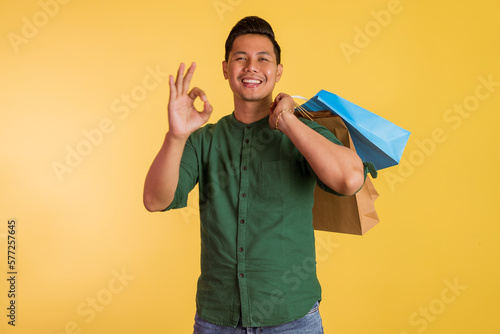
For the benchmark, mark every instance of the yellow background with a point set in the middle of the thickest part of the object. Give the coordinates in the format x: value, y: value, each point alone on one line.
x: 439, y: 210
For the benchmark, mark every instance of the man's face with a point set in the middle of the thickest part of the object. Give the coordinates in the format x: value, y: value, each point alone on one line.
x: 251, y: 68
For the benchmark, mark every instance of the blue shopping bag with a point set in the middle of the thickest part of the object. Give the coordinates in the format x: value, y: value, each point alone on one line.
x: 376, y: 139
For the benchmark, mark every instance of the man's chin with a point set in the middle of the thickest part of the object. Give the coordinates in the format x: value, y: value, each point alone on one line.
x: 253, y: 97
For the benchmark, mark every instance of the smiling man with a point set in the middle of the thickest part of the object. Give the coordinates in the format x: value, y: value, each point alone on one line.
x: 256, y: 168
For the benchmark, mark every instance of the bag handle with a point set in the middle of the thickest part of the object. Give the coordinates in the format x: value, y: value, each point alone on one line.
x: 302, y: 111
x: 300, y: 97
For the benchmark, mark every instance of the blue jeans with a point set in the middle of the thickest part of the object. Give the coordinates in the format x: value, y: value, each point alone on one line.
x: 309, y: 324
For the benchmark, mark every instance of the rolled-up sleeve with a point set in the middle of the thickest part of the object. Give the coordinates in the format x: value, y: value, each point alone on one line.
x: 368, y: 166
x: 188, y: 176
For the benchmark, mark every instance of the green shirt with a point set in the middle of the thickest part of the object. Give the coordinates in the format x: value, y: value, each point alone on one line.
x: 257, y: 238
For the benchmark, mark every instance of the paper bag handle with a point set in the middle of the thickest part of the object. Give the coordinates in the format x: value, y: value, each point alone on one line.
x: 305, y: 113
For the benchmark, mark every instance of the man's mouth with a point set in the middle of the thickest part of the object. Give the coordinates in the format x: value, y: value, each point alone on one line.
x: 250, y: 83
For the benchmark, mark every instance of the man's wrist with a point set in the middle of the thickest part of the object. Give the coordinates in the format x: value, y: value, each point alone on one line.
x: 282, y: 118
x: 176, y: 138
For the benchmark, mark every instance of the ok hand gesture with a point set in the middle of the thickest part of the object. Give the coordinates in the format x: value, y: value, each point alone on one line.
x: 183, y: 118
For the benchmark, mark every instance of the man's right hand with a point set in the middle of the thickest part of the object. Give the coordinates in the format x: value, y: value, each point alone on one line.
x: 183, y: 118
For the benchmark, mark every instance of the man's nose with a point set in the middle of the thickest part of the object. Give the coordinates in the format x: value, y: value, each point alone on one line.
x: 251, y: 66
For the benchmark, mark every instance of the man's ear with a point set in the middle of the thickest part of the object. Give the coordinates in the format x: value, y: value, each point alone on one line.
x: 279, y: 72
x: 224, y: 69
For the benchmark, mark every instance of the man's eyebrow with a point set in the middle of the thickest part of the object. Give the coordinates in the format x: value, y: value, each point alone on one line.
x: 245, y: 53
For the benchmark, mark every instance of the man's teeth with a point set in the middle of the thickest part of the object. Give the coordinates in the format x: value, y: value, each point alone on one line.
x: 251, y: 81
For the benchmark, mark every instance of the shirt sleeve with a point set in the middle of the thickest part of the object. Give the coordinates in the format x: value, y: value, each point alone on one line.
x: 368, y: 166
x: 188, y: 176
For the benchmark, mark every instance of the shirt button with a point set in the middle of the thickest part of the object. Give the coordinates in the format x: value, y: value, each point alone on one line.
x: 242, y: 275
x: 242, y: 221
x: 244, y: 167
x: 247, y: 141
x: 249, y: 126
x: 243, y: 195
x: 240, y: 249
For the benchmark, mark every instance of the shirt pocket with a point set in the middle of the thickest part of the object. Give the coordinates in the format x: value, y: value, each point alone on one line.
x: 274, y: 179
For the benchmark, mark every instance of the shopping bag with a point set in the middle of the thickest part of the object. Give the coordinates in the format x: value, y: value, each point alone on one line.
x: 343, y: 214
x: 376, y: 139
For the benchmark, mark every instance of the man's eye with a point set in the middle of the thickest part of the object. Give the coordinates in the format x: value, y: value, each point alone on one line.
x: 264, y: 59
x: 240, y: 58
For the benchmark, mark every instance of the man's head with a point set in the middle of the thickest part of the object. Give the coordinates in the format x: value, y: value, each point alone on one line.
x: 252, y: 25
x: 252, y: 60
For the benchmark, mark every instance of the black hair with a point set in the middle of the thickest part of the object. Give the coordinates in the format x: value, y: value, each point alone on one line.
x: 252, y: 25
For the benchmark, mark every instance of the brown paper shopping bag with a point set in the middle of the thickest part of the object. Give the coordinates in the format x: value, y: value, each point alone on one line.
x: 344, y: 214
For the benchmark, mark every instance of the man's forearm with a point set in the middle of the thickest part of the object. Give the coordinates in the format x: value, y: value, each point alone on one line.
x: 163, y: 175
x: 337, y: 166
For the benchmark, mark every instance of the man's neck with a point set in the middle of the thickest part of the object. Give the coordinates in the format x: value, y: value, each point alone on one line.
x: 251, y: 111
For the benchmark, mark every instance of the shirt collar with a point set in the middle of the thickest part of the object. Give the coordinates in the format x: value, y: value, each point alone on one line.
x: 258, y: 124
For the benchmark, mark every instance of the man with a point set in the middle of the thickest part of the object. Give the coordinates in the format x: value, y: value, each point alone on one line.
x: 256, y: 169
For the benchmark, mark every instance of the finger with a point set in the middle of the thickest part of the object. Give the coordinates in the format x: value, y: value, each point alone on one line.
x: 187, y: 78
x: 173, y: 90
x: 180, y: 78
x: 272, y: 107
x: 197, y: 92
x: 283, y: 101
x: 278, y: 98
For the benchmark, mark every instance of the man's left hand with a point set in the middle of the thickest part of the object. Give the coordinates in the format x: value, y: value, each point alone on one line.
x: 281, y: 102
